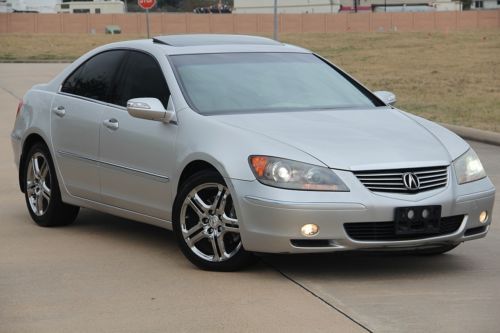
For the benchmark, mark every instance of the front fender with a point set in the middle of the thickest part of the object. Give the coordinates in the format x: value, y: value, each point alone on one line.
x: 227, y: 147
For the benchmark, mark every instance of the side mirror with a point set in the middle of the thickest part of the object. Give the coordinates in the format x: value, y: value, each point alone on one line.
x: 150, y: 109
x: 386, y: 96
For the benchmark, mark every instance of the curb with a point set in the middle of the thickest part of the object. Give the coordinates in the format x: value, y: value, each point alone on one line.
x: 474, y: 134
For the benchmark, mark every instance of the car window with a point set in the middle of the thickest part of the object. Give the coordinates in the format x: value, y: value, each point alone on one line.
x: 94, y: 79
x: 255, y: 82
x: 142, y: 77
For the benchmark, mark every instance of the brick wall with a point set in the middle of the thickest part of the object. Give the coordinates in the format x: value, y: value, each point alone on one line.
x: 135, y: 23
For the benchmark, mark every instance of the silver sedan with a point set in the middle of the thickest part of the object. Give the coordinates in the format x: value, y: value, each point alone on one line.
x: 241, y: 144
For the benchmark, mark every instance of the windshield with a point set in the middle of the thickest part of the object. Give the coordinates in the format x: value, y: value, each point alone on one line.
x: 252, y: 82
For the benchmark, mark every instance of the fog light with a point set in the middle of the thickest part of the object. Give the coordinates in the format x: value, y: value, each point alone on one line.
x: 483, y: 217
x: 309, y: 229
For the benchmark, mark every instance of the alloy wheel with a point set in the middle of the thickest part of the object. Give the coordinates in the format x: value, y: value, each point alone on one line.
x: 209, y: 224
x: 38, y: 184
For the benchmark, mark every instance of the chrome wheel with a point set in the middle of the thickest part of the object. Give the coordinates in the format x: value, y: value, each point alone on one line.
x: 209, y: 224
x: 38, y: 184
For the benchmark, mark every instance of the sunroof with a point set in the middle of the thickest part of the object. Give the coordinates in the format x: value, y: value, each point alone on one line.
x: 200, y: 40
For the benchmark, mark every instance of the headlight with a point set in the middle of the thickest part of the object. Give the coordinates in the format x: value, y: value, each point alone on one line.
x: 283, y: 173
x: 468, y: 167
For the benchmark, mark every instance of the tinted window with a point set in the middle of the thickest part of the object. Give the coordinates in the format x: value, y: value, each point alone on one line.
x: 252, y: 82
x: 94, y: 79
x: 142, y: 77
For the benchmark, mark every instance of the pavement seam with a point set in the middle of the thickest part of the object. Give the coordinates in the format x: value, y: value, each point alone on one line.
x: 317, y: 296
x: 9, y: 92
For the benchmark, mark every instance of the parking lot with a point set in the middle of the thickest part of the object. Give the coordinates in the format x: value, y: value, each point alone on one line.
x: 109, y: 274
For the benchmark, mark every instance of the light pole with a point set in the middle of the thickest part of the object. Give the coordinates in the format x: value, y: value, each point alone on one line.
x: 275, y: 32
x: 147, y: 21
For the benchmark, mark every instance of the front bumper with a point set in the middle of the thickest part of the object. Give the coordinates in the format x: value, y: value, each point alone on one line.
x: 271, y: 218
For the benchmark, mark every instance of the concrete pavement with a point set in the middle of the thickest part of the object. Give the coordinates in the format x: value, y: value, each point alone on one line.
x: 108, y: 274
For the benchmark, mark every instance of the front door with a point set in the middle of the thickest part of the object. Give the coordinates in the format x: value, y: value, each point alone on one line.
x: 137, y: 155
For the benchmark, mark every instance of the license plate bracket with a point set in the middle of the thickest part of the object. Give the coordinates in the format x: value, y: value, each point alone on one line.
x: 417, y: 220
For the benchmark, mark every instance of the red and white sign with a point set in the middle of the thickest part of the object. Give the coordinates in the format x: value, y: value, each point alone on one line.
x: 146, y: 4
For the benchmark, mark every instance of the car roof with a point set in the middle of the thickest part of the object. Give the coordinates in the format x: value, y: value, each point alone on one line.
x: 205, y: 43
x: 215, y: 39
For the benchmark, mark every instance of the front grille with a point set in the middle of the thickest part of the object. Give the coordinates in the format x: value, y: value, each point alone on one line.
x: 392, y: 180
x: 386, y: 231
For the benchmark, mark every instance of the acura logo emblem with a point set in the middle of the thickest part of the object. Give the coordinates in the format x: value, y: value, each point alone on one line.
x: 411, y: 181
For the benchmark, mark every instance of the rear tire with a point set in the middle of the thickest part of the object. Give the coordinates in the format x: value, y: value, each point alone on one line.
x: 205, y: 224
x: 41, y: 190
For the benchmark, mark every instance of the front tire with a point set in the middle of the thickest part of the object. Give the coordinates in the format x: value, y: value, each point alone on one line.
x: 205, y: 224
x: 42, y: 194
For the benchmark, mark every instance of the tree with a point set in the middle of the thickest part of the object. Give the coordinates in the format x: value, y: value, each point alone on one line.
x: 466, y: 4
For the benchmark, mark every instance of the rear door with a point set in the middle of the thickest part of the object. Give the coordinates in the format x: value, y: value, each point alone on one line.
x: 77, y: 111
x: 137, y: 155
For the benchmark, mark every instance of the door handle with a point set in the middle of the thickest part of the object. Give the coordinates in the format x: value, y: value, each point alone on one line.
x: 59, y: 111
x: 112, y: 124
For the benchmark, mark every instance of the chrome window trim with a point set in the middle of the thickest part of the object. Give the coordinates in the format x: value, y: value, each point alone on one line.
x: 91, y: 100
x: 115, y: 106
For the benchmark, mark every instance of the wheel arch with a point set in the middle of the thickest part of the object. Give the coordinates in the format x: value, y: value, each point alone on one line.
x: 193, y: 167
x: 30, y: 140
x: 238, y: 257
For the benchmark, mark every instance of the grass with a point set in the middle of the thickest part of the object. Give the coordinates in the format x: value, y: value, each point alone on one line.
x: 57, y: 47
x: 449, y: 77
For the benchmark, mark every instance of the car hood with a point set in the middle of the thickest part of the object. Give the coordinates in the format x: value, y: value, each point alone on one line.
x: 351, y: 139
